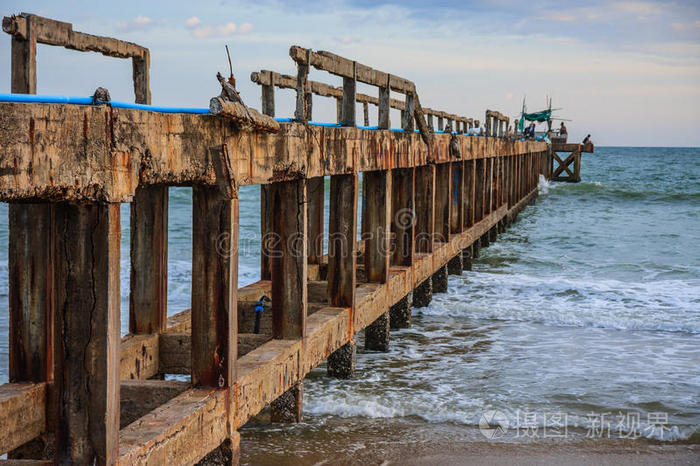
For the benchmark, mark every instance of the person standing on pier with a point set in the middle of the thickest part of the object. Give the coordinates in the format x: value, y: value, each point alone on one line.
x: 529, y: 132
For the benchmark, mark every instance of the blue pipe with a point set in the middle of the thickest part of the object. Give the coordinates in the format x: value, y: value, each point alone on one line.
x: 45, y: 99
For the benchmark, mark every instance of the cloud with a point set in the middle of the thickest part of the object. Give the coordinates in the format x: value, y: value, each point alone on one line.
x: 192, y: 22
x: 683, y: 27
x: 202, y: 31
x: 140, y: 23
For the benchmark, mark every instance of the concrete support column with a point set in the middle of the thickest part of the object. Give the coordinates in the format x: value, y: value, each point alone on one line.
x: 377, y: 334
x: 341, y: 363
x: 400, y: 314
x: 467, y: 258
x: 455, y: 265
x: 423, y: 294
x: 288, y: 408
x: 440, y: 280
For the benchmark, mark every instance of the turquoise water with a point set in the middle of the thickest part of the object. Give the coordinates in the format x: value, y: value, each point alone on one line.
x: 589, y: 304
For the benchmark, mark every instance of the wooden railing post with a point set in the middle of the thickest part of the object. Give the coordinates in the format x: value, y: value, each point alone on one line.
x: 384, y: 103
x: 303, y: 109
x: 407, y: 122
x: 87, y: 332
x: 349, y: 92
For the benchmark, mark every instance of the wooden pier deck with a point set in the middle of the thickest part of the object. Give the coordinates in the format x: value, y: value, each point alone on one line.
x: 79, y: 393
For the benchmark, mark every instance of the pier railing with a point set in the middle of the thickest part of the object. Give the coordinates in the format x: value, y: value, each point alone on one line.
x: 430, y: 201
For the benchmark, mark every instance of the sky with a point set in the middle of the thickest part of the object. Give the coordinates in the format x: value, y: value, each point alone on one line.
x: 627, y: 72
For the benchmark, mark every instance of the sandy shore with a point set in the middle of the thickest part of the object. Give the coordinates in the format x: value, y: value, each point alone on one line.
x: 610, y: 452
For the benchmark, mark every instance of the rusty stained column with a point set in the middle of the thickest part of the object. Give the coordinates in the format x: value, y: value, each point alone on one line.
x: 342, y: 261
x: 377, y: 223
x: 289, y: 274
x: 402, y: 231
x: 424, y: 195
x: 87, y: 338
x: 214, y: 297
x: 30, y: 262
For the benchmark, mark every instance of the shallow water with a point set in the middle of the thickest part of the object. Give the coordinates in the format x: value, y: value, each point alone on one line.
x: 588, y: 306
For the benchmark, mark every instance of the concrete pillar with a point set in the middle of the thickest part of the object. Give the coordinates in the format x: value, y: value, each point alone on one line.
x: 423, y: 293
x: 476, y: 249
x: 341, y: 363
x: 288, y: 408
x: 440, y: 280
x: 400, y: 314
x: 377, y: 334
x: 467, y: 258
x: 455, y: 266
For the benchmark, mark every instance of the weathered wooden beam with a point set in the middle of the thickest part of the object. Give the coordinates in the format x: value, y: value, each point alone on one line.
x: 52, y: 32
x: 402, y: 216
x: 181, y: 431
x: 384, y: 103
x: 31, y: 305
x: 377, y: 212
x: 424, y: 201
x: 149, y: 260
x: 214, y: 286
x: 87, y: 332
x: 289, y: 259
x: 302, y: 112
x: 346, y: 68
x: 443, y: 203
x: 342, y: 230
x: 315, y: 190
x: 142, y: 81
x: 348, y: 103
x: 457, y: 195
x: 147, y: 148
x: 23, y: 408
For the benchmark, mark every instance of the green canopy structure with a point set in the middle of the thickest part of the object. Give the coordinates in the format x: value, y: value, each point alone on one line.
x: 540, y: 117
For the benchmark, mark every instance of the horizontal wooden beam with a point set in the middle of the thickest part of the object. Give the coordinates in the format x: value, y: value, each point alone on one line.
x: 497, y: 115
x: 52, y: 32
x: 99, y: 153
x: 340, y: 66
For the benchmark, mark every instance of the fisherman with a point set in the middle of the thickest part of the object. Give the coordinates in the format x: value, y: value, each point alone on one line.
x: 587, y: 139
x: 529, y: 132
x: 562, y: 129
x: 515, y: 126
x: 509, y: 134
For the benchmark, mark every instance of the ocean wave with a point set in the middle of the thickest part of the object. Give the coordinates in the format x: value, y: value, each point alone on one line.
x: 667, y: 305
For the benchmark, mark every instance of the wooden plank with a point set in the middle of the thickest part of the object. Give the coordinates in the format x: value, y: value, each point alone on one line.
x: 342, y: 230
x: 139, y: 356
x: 402, y: 216
x: 214, y: 286
x: 443, y: 188
x: 424, y: 199
x: 87, y: 332
x: 315, y: 188
x: 148, y: 281
x: 407, y: 114
x: 288, y: 259
x: 384, y: 119
x: 377, y: 210
x: 23, y: 408
x: 52, y: 32
x: 302, y: 112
